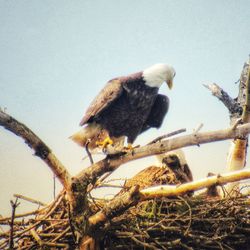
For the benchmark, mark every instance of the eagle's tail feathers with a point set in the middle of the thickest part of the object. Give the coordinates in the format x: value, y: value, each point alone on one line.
x: 92, y: 134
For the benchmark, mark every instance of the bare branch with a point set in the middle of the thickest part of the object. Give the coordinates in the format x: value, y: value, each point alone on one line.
x: 167, y: 135
x: 232, y: 105
x: 19, y: 196
x: 88, y: 153
x: 40, y: 148
x: 112, y: 162
x: 172, y: 190
x: 14, y: 205
x: 36, y: 236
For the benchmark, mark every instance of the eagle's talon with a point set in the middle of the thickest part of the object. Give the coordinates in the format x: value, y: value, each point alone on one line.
x: 129, y: 148
x: 103, y: 144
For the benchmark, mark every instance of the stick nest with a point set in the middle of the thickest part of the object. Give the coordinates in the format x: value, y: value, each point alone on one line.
x: 180, y: 223
x: 183, y: 223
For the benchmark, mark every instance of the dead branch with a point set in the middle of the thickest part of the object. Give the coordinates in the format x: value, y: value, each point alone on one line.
x: 231, y: 104
x: 40, y: 148
x: 19, y: 196
x: 6, y: 219
x: 36, y: 237
x: 112, y: 162
x: 14, y: 205
x: 167, y: 135
x: 88, y: 153
x: 173, y: 191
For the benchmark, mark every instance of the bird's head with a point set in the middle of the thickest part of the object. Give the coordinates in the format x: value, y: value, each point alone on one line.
x: 172, y: 157
x: 155, y: 75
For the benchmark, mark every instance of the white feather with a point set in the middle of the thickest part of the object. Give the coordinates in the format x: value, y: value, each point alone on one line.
x: 155, y: 75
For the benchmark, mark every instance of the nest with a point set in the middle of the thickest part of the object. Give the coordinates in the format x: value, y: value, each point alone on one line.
x: 191, y: 223
x: 45, y: 228
x: 182, y: 223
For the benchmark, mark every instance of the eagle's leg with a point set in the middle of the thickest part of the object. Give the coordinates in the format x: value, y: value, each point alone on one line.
x: 130, y: 147
x: 103, y: 144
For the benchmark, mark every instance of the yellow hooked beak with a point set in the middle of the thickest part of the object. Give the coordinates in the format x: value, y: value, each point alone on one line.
x: 170, y: 83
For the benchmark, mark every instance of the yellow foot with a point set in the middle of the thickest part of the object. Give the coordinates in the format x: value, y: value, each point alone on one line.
x: 103, y: 144
x: 129, y: 148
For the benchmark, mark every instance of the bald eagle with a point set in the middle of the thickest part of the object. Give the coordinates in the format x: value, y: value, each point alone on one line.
x: 126, y: 107
x: 176, y: 161
x: 173, y: 170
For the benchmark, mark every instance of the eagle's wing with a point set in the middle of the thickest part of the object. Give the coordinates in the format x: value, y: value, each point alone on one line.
x: 188, y: 172
x: 157, y: 113
x: 108, y: 94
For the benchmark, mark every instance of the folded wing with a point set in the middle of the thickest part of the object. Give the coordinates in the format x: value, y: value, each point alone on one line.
x: 108, y: 94
x: 157, y: 113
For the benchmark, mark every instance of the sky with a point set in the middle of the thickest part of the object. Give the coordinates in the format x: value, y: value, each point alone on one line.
x: 57, y: 55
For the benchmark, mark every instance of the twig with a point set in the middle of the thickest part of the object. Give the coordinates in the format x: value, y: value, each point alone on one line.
x: 14, y: 205
x: 190, y: 215
x: 236, y: 123
x: 88, y: 153
x: 198, y: 128
x: 36, y: 237
x: 52, y: 244
x: 61, y: 234
x: 143, y: 244
x: 19, y: 196
x: 109, y: 185
x: 52, y: 220
x: 167, y: 135
x: 24, y: 214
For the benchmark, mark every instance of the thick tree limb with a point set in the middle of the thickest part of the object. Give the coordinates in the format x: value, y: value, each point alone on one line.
x: 116, y: 206
x: 169, y: 190
x: 238, y: 150
x: 110, y: 163
x: 40, y: 148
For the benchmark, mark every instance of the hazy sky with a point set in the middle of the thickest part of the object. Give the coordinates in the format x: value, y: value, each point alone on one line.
x: 57, y: 55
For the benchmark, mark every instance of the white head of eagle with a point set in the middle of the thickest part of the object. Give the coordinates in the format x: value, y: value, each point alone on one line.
x: 126, y: 107
x: 155, y: 75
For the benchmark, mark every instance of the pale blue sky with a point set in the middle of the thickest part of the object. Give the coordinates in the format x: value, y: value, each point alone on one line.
x: 57, y: 55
